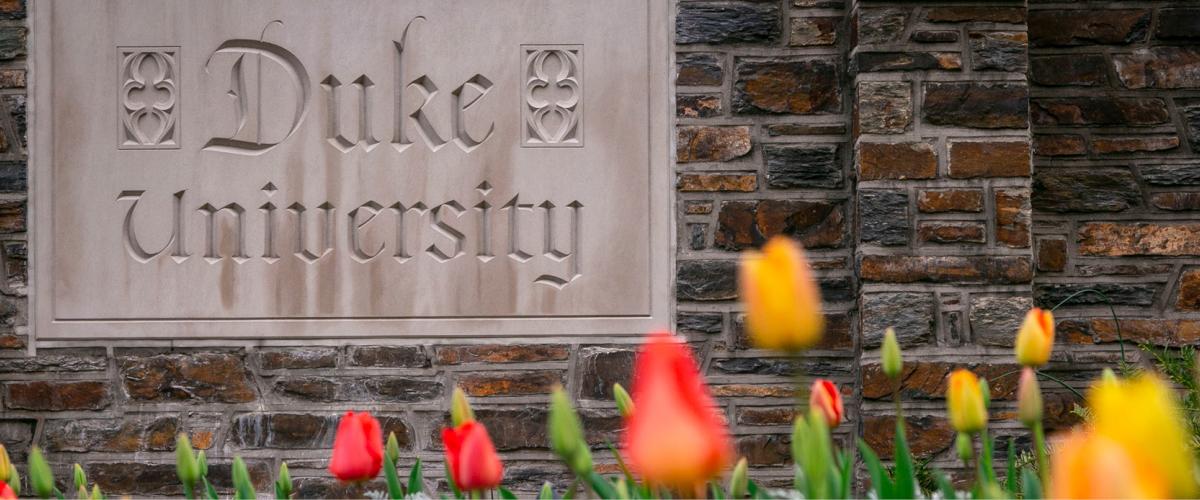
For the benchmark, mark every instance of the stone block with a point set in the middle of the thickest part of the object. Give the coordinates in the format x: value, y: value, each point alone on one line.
x: 702, y: 143
x: 911, y: 314
x: 788, y: 85
x: 899, y: 161
x: 792, y: 166
x: 883, y: 217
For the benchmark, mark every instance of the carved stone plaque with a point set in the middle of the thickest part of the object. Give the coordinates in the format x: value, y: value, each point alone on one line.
x: 325, y: 168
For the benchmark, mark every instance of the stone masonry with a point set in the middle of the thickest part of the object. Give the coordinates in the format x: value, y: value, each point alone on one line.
x: 948, y: 165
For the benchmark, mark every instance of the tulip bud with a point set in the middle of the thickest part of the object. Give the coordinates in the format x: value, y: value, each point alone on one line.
x: 5, y: 464
x: 202, y: 462
x: 783, y: 301
x: 547, y: 491
x: 185, y: 462
x: 739, y: 481
x: 79, y: 478
x: 40, y: 476
x: 986, y: 392
x: 283, y: 483
x: 460, y: 408
x: 624, y: 402
x: 825, y: 399
x: 892, y: 360
x: 1035, y: 339
x: 14, y: 479
x: 393, y: 447
x: 964, y: 447
x: 1029, y: 399
x: 96, y: 495
x: 965, y: 402
x: 243, y: 488
x: 566, y: 434
x: 1108, y: 377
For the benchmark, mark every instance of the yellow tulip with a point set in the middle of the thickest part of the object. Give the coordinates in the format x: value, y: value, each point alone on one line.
x: 1035, y: 340
x: 783, y: 303
x: 964, y: 401
x: 1087, y: 465
x: 1141, y: 415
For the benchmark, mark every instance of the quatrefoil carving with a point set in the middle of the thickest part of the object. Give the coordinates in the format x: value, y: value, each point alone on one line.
x: 149, y: 97
x: 553, y: 96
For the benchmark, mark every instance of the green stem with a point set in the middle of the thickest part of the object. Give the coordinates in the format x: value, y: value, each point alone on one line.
x: 801, y: 386
x: 1111, y: 309
x: 1039, y: 440
x: 1060, y: 382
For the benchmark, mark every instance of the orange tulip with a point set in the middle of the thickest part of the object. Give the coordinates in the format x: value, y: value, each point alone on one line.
x: 6, y: 492
x: 783, y: 302
x: 1035, y: 339
x: 964, y: 402
x: 1087, y: 465
x: 472, y: 457
x: 825, y: 398
x: 357, y: 448
x: 675, y: 438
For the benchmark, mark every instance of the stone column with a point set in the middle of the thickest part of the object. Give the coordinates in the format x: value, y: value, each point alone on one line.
x: 942, y: 157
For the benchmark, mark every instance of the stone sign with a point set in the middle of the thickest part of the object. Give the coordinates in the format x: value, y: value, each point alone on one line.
x: 318, y: 168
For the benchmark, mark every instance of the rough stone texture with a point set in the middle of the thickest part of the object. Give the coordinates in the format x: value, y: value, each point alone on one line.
x: 736, y: 22
x: 297, y: 359
x: 697, y: 105
x: 1074, y: 69
x: 988, y: 105
x: 906, y: 160
x: 1133, y: 294
x: 388, y: 357
x: 803, y: 166
x: 750, y: 224
x: 1099, y: 111
x: 203, y: 377
x: 910, y: 314
x: 602, y: 367
x: 1085, y: 190
x: 1122, y: 239
x: 711, y: 143
x: 885, y: 107
x: 951, y: 232
x: 950, y: 200
x: 883, y: 218
x: 946, y: 269
x: 745, y: 183
x: 989, y: 159
x: 699, y: 69
x: 1159, y: 67
x: 1088, y: 26
x: 811, y: 31
x: 996, y: 318
x: 999, y: 50
x: 57, y: 396
x: 927, y: 435
x: 806, y: 85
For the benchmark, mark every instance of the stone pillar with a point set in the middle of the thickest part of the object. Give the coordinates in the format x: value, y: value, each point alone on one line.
x: 942, y: 157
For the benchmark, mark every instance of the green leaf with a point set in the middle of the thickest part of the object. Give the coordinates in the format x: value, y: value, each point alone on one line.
x: 1031, y: 486
x: 1010, y: 482
x: 416, y: 482
x: 243, y: 488
x: 41, y: 479
x: 906, y: 482
x: 880, y: 481
x: 79, y: 478
x: 847, y: 475
x: 14, y: 479
x: 209, y: 491
x: 283, y: 483
x: 395, y: 491
x: 547, y: 492
x: 601, y: 486
x: 715, y: 491
x: 507, y: 495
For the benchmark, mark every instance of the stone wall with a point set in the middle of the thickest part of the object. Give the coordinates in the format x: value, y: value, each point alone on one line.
x: 948, y: 165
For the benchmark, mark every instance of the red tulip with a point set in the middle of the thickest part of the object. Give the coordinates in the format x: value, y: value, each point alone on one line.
x: 675, y: 438
x: 6, y: 492
x: 357, y: 448
x: 472, y: 457
x: 826, y: 399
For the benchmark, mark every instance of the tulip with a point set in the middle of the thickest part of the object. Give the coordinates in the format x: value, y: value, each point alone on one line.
x: 283, y: 482
x: 1029, y: 399
x: 890, y: 356
x: 739, y: 481
x: 1142, y: 416
x: 185, y: 464
x: 1035, y: 339
x: 357, y: 448
x: 460, y: 408
x: 243, y: 487
x: 41, y: 479
x: 79, y: 478
x: 5, y: 464
x: 783, y: 303
x: 566, y: 434
x: 624, y: 402
x: 393, y: 447
x: 471, y: 456
x: 825, y: 398
x: 1087, y: 465
x: 7, y: 493
x: 965, y: 402
x: 675, y: 438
